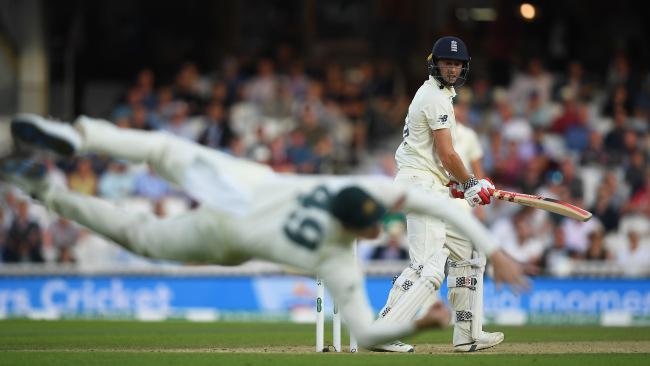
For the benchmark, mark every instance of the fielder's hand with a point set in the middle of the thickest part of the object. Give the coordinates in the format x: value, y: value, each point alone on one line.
x: 507, y: 270
x: 477, y: 192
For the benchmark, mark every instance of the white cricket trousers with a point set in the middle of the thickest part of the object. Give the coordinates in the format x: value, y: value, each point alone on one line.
x: 426, y: 234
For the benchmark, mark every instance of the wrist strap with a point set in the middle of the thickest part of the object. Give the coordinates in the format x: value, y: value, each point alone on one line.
x: 472, y: 181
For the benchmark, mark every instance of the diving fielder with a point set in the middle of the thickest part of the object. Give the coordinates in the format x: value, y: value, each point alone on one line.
x: 247, y: 211
x: 427, y: 159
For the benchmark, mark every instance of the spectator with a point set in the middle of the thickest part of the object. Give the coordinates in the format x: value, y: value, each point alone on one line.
x: 556, y: 259
x: 597, y: 250
x: 217, y: 132
x: 149, y: 185
x: 190, y: 88
x: 142, y: 120
x: 262, y: 88
x: 536, y: 112
x: 393, y: 246
x: 83, y: 179
x: 594, y: 154
x: 572, y: 124
x: 635, y: 171
x: 178, y: 123
x: 279, y: 159
x: 236, y: 147
x: 620, y: 83
x: 166, y: 106
x: 56, y: 175
x: 259, y: 151
x: 577, y: 234
x: 571, y: 180
x: 605, y: 208
x: 134, y: 97
x: 24, y: 239
x: 300, y: 154
x: 9, y: 207
x: 534, y: 80
x: 639, y: 203
x: 575, y: 82
x: 117, y: 182
x: 144, y: 82
x: 635, y: 257
x: 614, y: 141
x: 63, y: 235
x: 233, y: 81
x: 516, y: 237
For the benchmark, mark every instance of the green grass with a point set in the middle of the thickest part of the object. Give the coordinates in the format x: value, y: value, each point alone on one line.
x: 161, y: 359
x: 122, y: 343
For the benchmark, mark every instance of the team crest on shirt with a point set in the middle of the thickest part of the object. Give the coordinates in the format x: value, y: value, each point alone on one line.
x: 443, y: 119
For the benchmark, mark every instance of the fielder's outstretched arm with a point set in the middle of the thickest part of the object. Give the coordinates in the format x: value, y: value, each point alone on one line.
x: 345, y: 282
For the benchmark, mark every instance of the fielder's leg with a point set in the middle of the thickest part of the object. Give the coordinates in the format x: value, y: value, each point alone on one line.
x: 168, y: 155
x: 192, y: 237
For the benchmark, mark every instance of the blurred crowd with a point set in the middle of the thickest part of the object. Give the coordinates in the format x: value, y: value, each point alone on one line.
x: 564, y: 134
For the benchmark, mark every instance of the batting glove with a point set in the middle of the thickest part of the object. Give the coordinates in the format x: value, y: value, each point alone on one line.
x: 455, y: 189
x: 477, y: 192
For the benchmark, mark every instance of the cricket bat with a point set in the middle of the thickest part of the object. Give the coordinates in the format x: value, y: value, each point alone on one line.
x: 544, y: 203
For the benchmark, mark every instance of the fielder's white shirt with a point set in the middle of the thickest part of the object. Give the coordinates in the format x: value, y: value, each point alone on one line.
x: 431, y: 109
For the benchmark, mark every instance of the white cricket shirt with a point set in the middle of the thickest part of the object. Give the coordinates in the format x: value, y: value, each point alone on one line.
x: 431, y: 109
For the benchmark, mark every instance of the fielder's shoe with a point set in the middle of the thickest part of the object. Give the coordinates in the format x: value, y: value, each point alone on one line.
x: 395, y: 346
x: 30, y: 176
x: 487, y: 340
x: 34, y: 130
x: 9, y: 149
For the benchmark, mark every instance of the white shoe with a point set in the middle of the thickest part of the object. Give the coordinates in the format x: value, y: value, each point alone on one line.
x: 395, y: 346
x: 486, y: 340
x: 36, y: 131
x: 30, y: 176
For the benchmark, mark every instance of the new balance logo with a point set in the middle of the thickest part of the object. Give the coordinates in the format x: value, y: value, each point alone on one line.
x: 454, y: 46
x: 443, y: 118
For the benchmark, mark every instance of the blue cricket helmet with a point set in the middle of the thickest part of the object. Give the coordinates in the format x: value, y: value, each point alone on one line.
x: 451, y: 48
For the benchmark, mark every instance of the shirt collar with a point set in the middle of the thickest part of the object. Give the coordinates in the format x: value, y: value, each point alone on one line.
x: 450, y: 91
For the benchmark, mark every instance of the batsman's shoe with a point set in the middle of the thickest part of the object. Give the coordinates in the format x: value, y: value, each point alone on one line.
x: 30, y: 176
x: 395, y: 346
x: 486, y: 340
x: 36, y: 131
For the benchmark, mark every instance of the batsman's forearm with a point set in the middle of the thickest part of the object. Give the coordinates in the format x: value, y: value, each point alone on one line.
x: 437, y: 205
x: 454, y: 165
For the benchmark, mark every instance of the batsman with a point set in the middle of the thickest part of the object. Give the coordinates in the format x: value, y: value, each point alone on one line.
x: 428, y: 159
